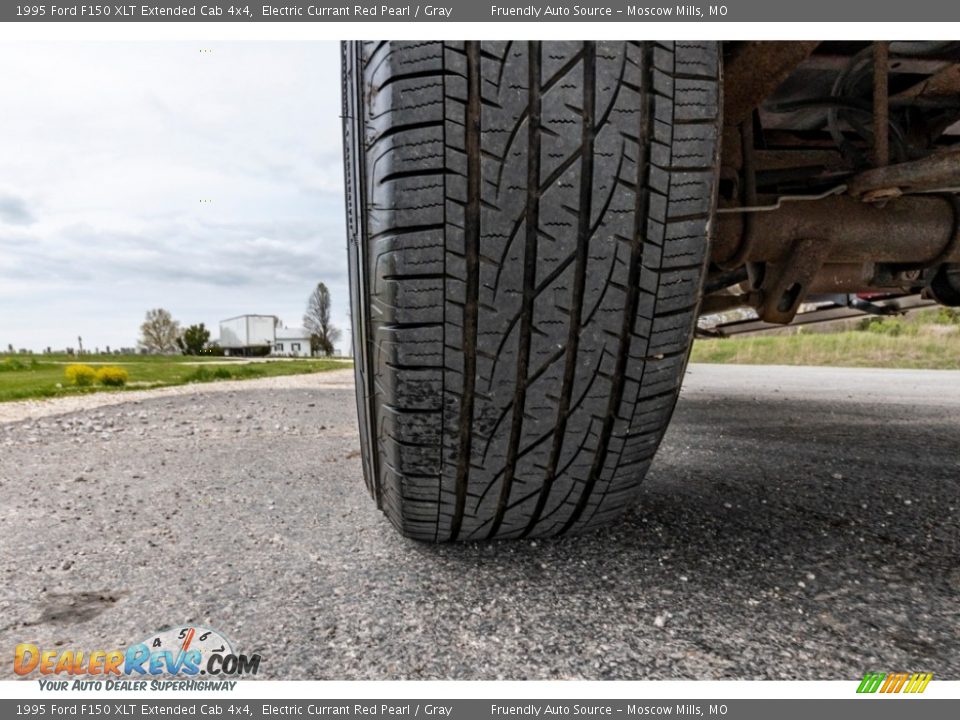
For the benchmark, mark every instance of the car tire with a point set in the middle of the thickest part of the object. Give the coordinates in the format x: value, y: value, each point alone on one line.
x: 527, y: 235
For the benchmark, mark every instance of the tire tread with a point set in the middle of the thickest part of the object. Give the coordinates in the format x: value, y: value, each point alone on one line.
x: 528, y: 231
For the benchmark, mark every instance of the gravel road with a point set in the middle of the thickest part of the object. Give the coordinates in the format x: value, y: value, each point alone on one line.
x: 798, y: 523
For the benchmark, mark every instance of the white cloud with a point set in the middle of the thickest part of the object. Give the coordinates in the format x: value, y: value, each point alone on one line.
x: 111, y: 153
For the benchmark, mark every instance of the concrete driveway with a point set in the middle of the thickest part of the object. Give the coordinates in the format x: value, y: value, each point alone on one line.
x: 798, y: 523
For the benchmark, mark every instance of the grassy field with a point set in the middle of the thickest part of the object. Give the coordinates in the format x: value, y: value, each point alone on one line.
x: 43, y: 376
x: 855, y: 348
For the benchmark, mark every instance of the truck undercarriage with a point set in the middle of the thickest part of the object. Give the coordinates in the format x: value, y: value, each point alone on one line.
x: 838, y: 188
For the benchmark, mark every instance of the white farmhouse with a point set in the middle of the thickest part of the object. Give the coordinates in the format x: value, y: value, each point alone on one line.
x: 291, y: 342
x: 261, y: 335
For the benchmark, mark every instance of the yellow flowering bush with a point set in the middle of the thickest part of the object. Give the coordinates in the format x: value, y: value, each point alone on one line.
x: 81, y: 375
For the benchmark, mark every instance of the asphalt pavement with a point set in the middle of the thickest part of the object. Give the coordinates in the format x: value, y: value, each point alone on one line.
x: 798, y: 523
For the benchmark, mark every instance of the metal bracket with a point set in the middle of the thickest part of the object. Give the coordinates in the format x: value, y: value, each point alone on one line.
x: 785, y: 285
x: 872, y: 308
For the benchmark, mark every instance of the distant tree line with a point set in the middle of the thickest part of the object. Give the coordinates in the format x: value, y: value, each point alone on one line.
x: 160, y: 333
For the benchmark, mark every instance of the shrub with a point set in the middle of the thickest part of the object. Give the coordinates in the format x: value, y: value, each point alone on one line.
x: 80, y: 375
x: 947, y: 316
x: 11, y: 365
x: 112, y: 376
x: 203, y: 374
x: 887, y: 326
x: 200, y: 374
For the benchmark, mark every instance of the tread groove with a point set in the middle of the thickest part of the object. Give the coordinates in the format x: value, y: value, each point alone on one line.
x: 629, y: 313
x: 532, y: 227
x: 584, y: 232
x: 470, y: 307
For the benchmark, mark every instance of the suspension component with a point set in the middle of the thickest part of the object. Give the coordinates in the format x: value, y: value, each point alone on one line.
x: 900, y: 231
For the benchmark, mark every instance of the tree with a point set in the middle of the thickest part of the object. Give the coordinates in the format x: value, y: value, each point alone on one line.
x: 194, y: 339
x: 159, y: 332
x: 323, y: 334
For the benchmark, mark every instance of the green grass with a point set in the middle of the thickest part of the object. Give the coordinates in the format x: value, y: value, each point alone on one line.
x: 913, y: 347
x: 25, y: 377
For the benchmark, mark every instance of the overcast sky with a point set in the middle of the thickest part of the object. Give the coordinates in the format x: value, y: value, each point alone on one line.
x: 108, y: 149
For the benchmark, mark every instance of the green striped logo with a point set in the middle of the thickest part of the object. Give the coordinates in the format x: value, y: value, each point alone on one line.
x: 894, y: 682
x: 871, y: 683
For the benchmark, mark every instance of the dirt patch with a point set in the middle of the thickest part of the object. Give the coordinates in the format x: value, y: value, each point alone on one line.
x: 69, y: 608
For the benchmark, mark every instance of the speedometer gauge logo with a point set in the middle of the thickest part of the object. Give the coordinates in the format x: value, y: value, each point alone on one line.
x: 189, y: 650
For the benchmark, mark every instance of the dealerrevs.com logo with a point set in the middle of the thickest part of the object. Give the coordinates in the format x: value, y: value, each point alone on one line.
x: 175, y: 654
